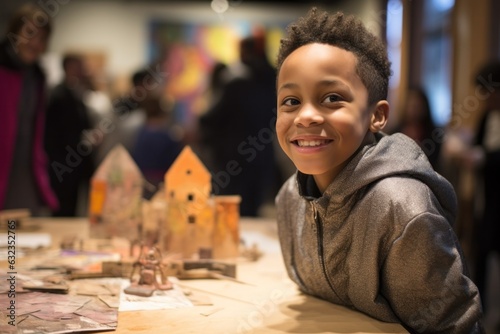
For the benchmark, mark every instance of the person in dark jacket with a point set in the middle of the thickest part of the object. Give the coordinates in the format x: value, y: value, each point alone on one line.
x: 237, y: 130
x: 365, y: 222
x: 70, y: 154
x: 485, y: 156
x: 24, y: 181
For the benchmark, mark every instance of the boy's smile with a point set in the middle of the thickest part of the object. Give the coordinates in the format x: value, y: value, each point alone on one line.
x: 323, y: 115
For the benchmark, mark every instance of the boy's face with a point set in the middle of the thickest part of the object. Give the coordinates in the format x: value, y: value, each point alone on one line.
x: 323, y: 112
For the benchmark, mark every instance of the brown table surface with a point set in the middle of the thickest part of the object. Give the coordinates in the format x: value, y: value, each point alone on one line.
x: 268, y: 303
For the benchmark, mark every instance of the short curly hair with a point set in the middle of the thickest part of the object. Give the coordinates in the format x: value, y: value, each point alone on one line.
x: 348, y: 33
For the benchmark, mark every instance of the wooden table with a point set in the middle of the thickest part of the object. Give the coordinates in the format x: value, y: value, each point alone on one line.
x: 268, y: 303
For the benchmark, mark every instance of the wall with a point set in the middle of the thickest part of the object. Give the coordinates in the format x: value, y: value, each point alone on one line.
x: 120, y: 29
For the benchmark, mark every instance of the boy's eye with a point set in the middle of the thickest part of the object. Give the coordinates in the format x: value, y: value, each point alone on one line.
x: 291, y: 102
x: 332, y: 98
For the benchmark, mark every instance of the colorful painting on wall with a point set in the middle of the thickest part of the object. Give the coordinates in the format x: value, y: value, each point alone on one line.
x: 187, y: 52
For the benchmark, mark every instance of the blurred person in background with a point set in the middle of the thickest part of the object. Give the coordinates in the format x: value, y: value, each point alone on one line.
x: 24, y: 181
x: 129, y: 111
x: 155, y: 148
x: 216, y: 80
x: 416, y: 122
x: 70, y: 154
x: 485, y: 157
x: 473, y: 156
x: 238, y: 129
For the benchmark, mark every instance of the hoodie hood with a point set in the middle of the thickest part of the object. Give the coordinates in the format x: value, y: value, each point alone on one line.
x: 394, y: 155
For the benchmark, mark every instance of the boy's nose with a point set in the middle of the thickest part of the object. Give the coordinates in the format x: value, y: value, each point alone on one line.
x: 308, y: 116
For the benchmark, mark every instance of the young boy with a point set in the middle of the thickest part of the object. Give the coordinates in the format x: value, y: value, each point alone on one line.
x: 365, y: 222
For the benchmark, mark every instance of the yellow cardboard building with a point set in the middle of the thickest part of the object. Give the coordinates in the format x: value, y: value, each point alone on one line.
x: 197, y: 223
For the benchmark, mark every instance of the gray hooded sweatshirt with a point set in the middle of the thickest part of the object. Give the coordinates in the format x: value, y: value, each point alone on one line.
x: 380, y: 240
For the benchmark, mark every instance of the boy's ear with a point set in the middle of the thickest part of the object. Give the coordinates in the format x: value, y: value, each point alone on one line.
x: 379, y: 116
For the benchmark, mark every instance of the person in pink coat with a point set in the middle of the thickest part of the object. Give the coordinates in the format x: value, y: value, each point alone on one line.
x: 24, y: 181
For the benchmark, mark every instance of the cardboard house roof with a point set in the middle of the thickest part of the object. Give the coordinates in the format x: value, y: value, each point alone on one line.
x: 118, y: 162
x: 187, y: 169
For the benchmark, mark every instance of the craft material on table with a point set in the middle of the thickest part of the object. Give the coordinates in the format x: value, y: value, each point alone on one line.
x: 89, y: 305
x: 82, y: 310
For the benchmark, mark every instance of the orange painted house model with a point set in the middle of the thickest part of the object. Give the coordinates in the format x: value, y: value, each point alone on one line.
x: 196, y: 221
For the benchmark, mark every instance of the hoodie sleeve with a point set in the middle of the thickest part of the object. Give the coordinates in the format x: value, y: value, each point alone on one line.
x: 286, y: 228
x: 426, y: 279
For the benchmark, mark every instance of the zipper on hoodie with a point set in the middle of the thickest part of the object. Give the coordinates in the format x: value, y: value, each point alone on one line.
x: 315, y: 217
x: 319, y: 234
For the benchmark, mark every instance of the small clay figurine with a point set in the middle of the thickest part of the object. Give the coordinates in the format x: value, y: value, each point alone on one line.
x: 150, y: 265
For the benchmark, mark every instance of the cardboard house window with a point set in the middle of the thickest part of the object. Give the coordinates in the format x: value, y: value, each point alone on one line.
x: 190, y: 197
x: 191, y: 219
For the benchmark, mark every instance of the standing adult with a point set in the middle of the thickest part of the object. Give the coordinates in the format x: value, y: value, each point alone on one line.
x: 24, y: 182
x: 67, y: 119
x: 238, y: 131
x: 486, y: 156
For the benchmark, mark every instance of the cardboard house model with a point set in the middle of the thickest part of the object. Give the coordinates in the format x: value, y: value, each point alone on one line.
x: 198, y: 223
x: 116, y: 197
